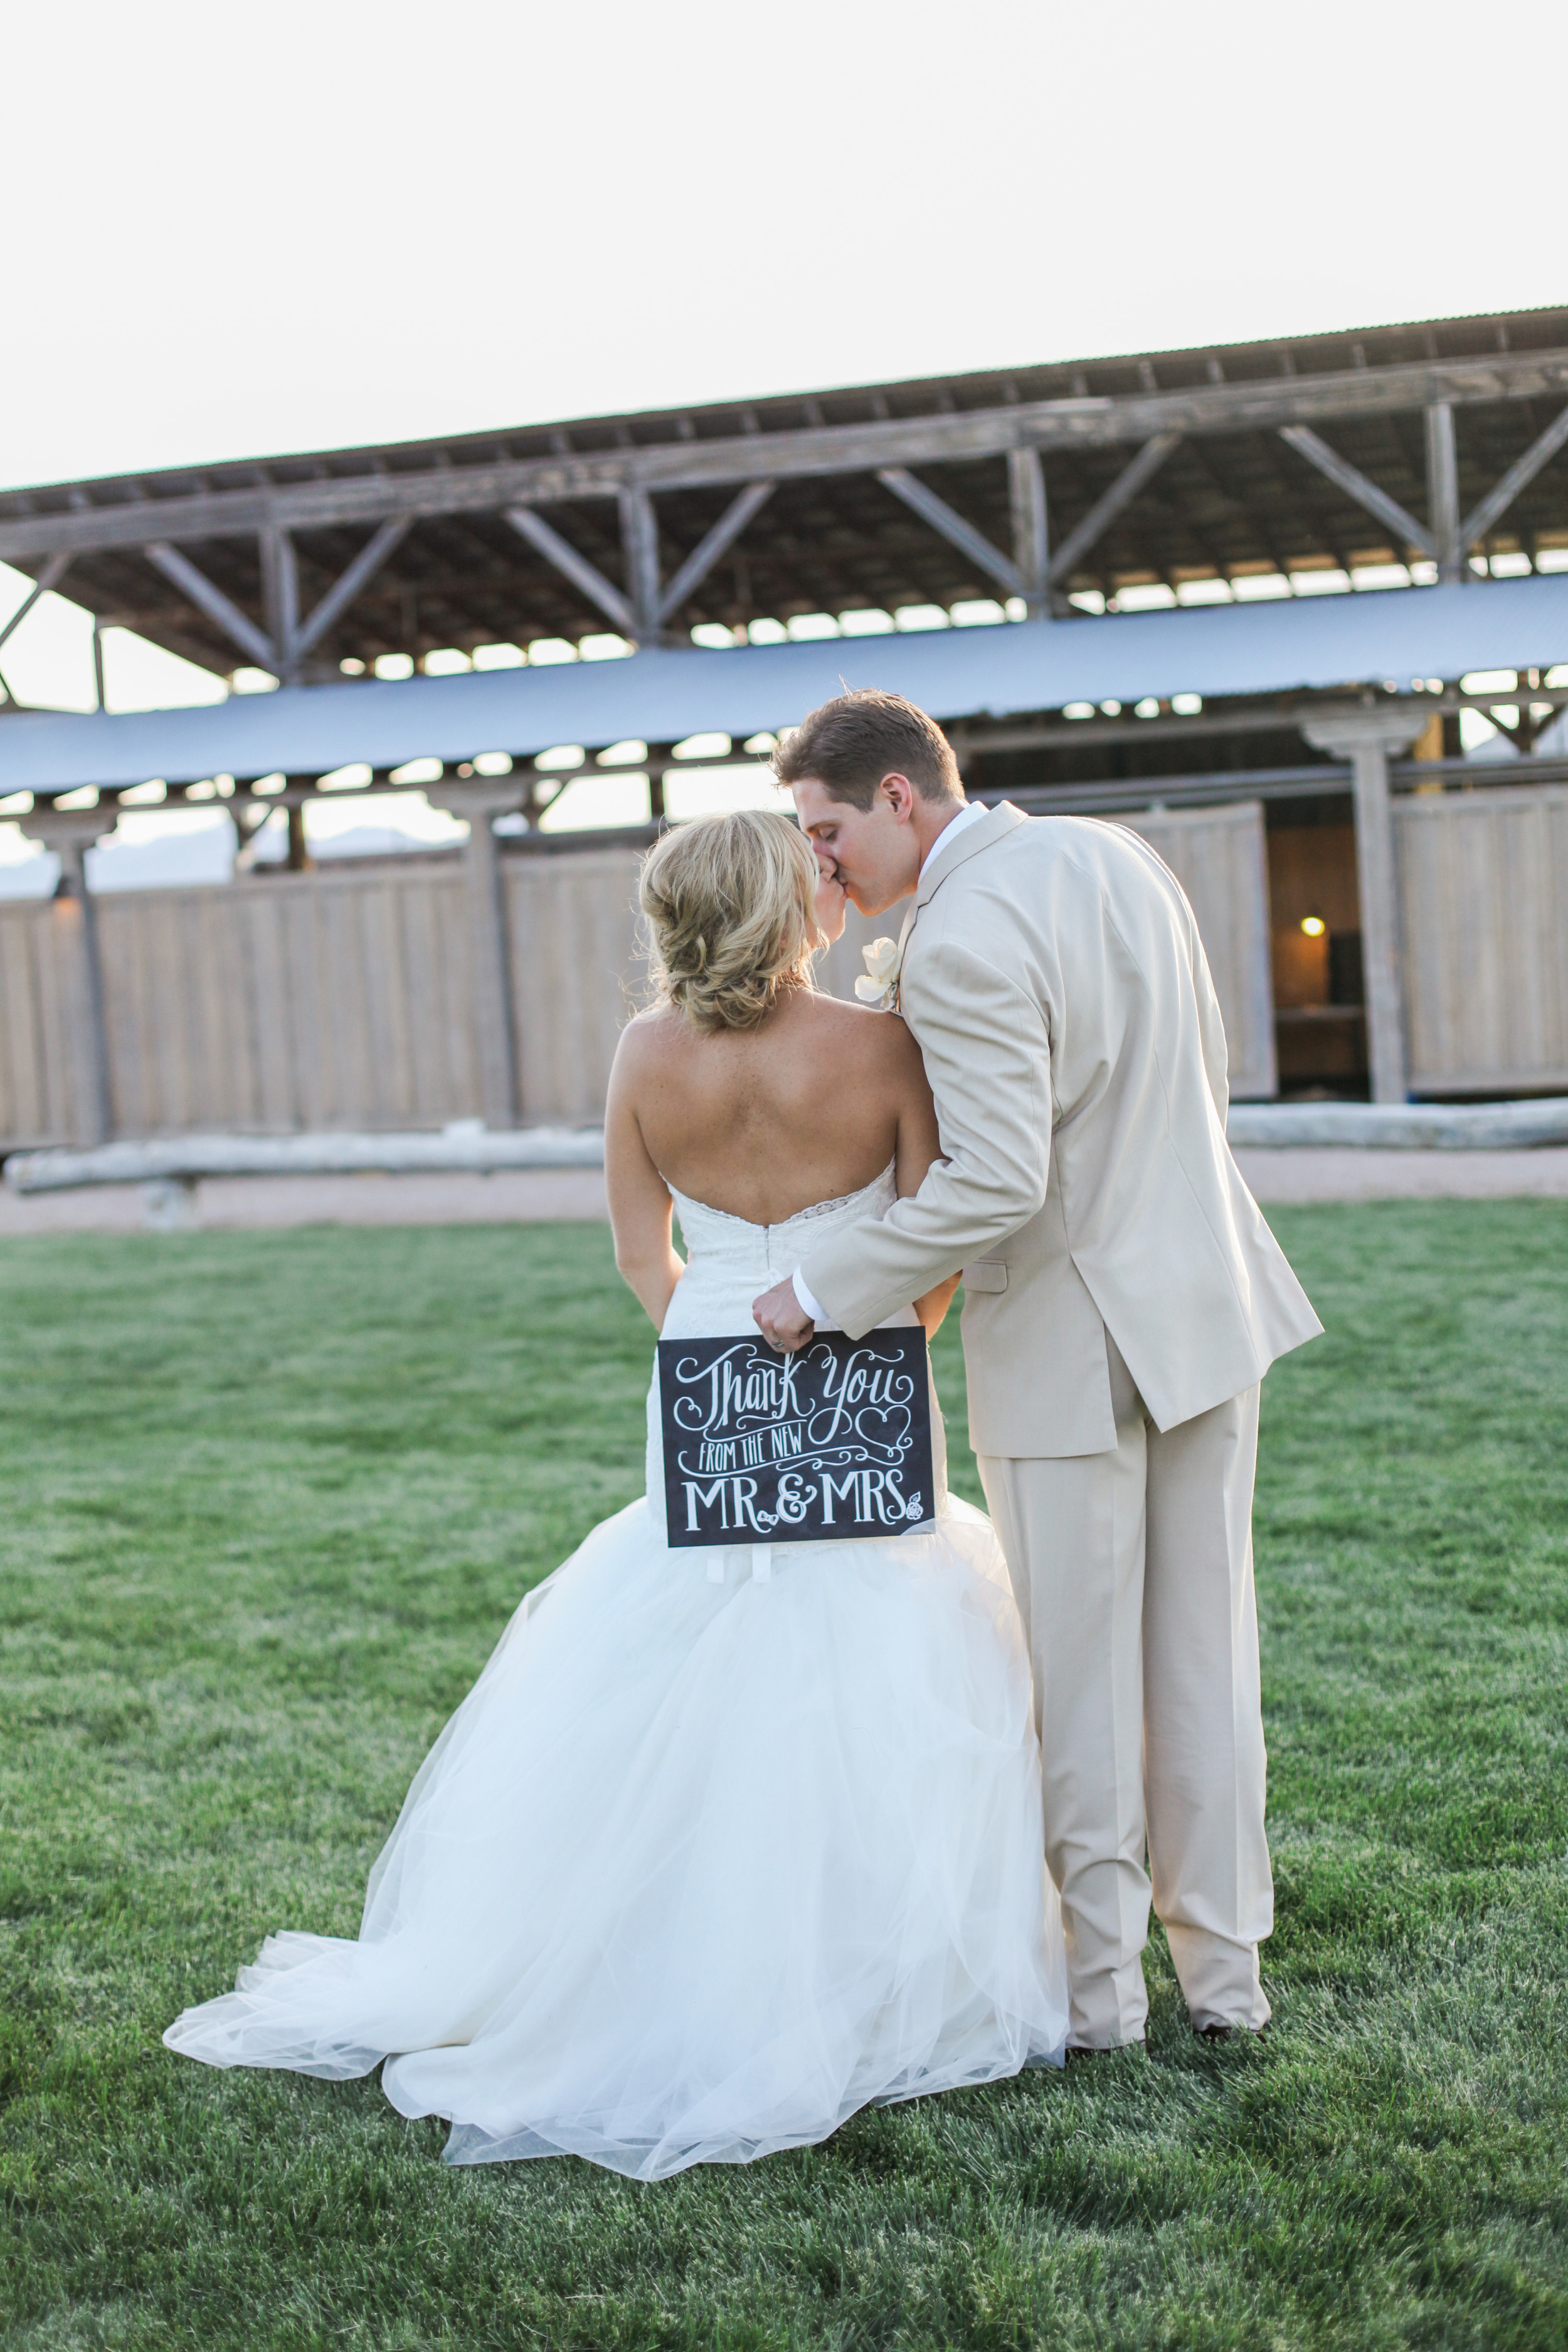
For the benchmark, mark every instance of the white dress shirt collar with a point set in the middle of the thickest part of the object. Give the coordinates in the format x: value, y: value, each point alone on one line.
x: 970, y: 814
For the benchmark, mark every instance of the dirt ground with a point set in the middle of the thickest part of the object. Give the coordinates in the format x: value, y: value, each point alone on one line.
x: 530, y: 1196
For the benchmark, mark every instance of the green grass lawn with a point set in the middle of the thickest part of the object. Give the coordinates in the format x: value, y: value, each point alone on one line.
x: 268, y: 1500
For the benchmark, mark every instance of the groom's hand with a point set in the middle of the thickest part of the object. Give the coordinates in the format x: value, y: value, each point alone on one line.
x: 781, y: 1320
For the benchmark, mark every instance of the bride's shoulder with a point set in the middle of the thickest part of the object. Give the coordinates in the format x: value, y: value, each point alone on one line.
x: 879, y: 1041
x: 651, y: 1036
x: 656, y: 1024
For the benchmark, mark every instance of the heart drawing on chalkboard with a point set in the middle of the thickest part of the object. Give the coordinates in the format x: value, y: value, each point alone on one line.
x: 885, y: 1426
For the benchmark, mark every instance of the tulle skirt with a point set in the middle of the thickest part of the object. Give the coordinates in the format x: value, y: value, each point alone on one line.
x: 699, y: 1866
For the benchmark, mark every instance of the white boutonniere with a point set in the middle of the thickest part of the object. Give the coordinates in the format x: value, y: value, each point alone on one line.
x: 878, y: 983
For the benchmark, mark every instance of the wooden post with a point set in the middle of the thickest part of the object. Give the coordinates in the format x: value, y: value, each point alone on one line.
x: 70, y: 833
x: 1428, y: 745
x: 1031, y: 553
x: 489, y: 946
x: 640, y: 542
x: 281, y: 600
x: 1443, y: 490
x: 660, y: 759
x: 1368, y: 737
x: 296, y: 792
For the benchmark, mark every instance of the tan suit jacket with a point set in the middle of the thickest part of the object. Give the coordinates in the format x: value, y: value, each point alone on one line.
x: 1053, y: 979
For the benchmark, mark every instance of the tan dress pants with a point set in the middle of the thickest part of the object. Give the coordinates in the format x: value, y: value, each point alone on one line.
x: 1133, y: 1576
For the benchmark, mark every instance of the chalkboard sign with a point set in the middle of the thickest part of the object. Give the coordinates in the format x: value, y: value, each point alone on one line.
x: 831, y: 1443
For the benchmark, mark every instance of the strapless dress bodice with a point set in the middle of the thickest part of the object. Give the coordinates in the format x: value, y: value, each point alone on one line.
x: 730, y: 1261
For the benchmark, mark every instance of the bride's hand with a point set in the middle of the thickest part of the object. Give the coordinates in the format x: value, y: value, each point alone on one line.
x: 829, y: 906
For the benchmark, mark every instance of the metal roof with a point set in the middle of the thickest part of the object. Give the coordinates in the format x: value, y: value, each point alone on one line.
x: 661, y: 697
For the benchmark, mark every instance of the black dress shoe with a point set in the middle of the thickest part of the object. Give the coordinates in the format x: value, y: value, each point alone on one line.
x: 1228, y: 2032
x: 1077, y: 2050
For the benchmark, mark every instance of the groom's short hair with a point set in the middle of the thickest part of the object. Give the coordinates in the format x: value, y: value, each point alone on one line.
x: 852, y: 742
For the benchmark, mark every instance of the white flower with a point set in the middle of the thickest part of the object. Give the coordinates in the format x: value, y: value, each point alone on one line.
x: 879, y: 984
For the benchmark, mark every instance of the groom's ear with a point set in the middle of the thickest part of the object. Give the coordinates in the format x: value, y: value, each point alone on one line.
x: 900, y: 794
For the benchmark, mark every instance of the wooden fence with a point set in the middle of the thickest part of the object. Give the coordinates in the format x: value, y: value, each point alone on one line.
x: 314, y: 1001
x: 348, y: 1000
x: 578, y: 973
x: 1219, y: 857
x: 1483, y: 909
x: 43, y: 1022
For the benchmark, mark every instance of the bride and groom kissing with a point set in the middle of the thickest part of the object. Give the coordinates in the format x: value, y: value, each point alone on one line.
x: 727, y: 1842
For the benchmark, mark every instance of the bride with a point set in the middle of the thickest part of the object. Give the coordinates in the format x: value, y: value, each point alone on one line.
x: 722, y: 1846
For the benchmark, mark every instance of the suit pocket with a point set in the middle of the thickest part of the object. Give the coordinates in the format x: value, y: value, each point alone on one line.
x: 985, y: 1273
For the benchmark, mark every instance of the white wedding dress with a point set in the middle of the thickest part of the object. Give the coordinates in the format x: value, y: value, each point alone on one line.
x: 721, y: 1847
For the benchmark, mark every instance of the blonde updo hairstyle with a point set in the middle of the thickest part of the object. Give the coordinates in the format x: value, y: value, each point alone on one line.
x: 730, y: 902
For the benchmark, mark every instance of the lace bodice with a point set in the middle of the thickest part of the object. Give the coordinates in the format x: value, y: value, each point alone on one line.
x: 730, y: 1262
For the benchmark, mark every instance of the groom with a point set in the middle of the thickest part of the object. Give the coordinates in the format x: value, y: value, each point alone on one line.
x: 1123, y: 1299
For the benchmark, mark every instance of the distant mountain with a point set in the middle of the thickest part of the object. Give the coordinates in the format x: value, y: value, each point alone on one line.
x: 28, y: 877
x: 193, y: 855
x: 359, y: 841
x: 196, y: 853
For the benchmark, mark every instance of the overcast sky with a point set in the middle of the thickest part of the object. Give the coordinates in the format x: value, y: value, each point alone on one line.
x: 228, y: 231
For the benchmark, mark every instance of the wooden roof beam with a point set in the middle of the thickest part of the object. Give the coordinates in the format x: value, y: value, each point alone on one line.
x: 349, y: 583
x: 584, y: 576
x: 1356, y: 485
x: 281, y: 600
x: 1133, y: 479
x: 866, y: 447
x: 1031, y: 530
x: 238, y: 626
x: 713, y: 544
x: 1483, y: 519
x: 639, y: 551
x: 953, y: 528
x: 49, y: 577
x: 1443, y: 489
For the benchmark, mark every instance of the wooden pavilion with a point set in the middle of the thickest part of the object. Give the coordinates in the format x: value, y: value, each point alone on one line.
x: 1388, y: 912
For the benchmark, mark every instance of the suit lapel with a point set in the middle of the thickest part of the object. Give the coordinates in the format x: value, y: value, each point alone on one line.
x: 909, y: 927
x: 991, y: 828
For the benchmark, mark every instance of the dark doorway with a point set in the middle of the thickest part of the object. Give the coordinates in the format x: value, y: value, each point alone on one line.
x: 1315, y: 919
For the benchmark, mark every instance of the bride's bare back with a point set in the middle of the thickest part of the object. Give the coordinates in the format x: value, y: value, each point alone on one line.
x: 808, y: 1105
x: 764, y: 1122
x: 743, y: 1088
